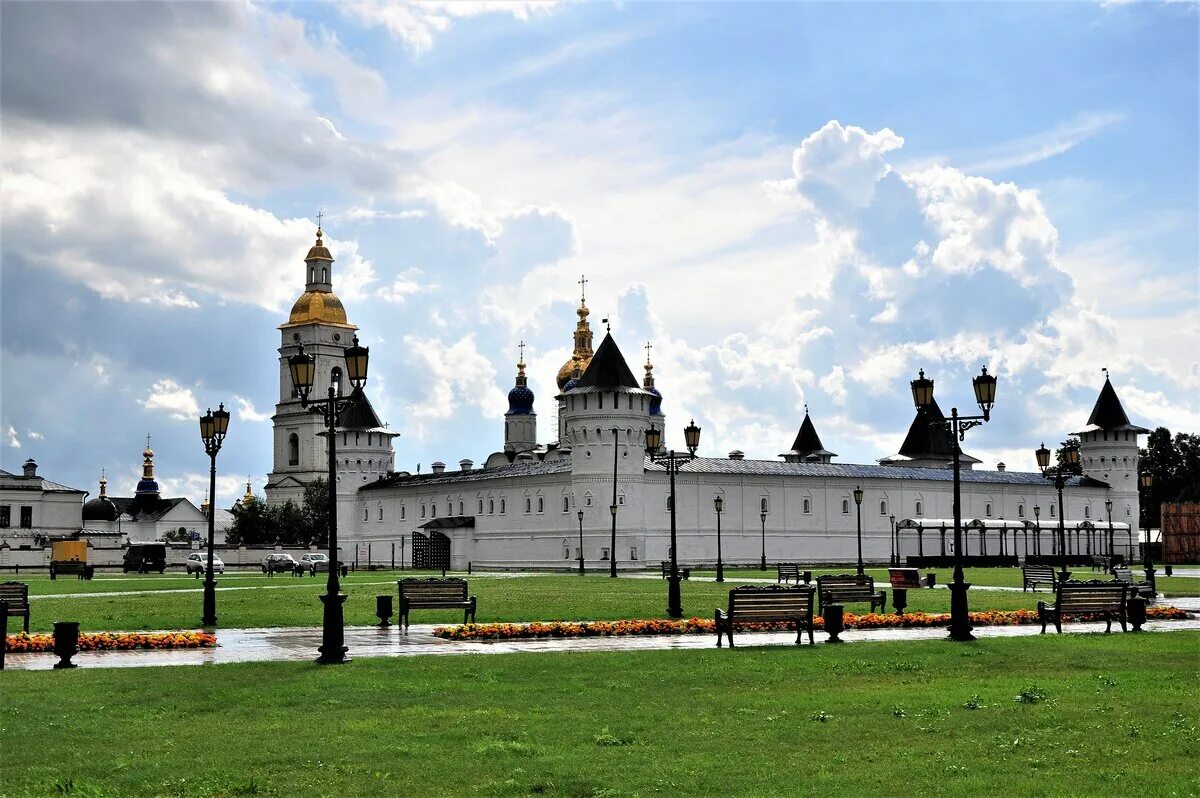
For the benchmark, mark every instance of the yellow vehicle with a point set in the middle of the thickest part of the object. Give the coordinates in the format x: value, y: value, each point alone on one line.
x: 69, y: 557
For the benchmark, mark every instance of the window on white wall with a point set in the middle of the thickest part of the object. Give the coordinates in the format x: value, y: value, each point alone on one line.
x: 845, y: 507
x: 381, y: 512
x: 1020, y: 511
x: 920, y: 508
x: 402, y: 512
x: 422, y: 511
x: 502, y: 505
x: 1128, y: 511
x: 1087, y: 511
x: 763, y: 505
x: 566, y: 504
x: 366, y: 514
x: 528, y: 505
x: 604, y: 553
x: 987, y: 509
x: 491, y: 506
x: 807, y: 506
x: 633, y: 553
x: 460, y: 508
x: 541, y: 504
x: 620, y: 498
x: 883, y: 508
x: 1053, y: 514
x: 587, y: 500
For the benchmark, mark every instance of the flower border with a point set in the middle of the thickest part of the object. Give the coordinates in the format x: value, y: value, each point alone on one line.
x: 697, y: 626
x: 22, y: 643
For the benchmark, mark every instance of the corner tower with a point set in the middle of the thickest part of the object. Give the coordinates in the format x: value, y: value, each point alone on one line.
x: 1108, y: 451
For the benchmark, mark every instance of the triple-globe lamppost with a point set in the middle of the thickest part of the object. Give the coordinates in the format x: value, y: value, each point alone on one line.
x: 719, y: 507
x: 1146, y: 481
x: 1108, y: 511
x: 1059, y: 475
x: 762, y: 519
x: 303, y: 368
x: 956, y: 428
x: 213, y: 427
x: 673, y: 460
x: 579, y: 515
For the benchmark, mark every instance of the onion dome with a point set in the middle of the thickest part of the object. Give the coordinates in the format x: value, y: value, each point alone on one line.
x: 520, y: 398
x: 318, y: 303
x: 147, y: 486
x: 100, y: 508
x: 248, y: 496
x: 583, y: 345
x: 648, y: 386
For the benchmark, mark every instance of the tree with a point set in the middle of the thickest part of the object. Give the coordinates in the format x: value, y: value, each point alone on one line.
x: 1175, y: 465
x: 316, y: 512
x: 254, y: 524
x: 289, y: 524
x: 1063, y: 466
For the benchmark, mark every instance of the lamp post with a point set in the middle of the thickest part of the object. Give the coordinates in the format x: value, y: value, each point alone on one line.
x: 1059, y: 476
x: 1146, y: 481
x: 612, y: 509
x: 858, y: 494
x: 956, y: 428
x: 691, y: 436
x: 719, y: 506
x: 895, y: 559
x: 303, y: 368
x: 1108, y: 511
x: 579, y: 515
x: 213, y: 427
x: 762, y: 518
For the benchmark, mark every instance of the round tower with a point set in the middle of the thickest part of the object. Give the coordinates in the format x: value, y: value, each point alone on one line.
x: 1108, y: 452
x: 520, y: 422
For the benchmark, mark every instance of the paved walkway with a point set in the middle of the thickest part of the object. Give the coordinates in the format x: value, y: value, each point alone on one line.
x: 300, y: 644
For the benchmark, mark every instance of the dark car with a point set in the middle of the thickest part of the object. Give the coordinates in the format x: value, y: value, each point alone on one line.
x: 279, y: 563
x: 143, y: 558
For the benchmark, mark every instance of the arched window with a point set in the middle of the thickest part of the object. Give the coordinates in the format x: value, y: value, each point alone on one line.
x: 587, y: 500
x: 1087, y: 511
x: 541, y: 504
x: 668, y: 502
x: 402, y: 513
x: 566, y: 504
x: 358, y: 465
x: 1053, y: 514
x: 502, y: 507
x: 460, y: 508
x: 919, y: 508
x: 491, y: 506
x: 528, y: 505
x: 762, y: 504
x: 987, y: 509
x: 1128, y: 511
x: 481, y: 506
x: 807, y: 506
x: 335, y: 379
x: 883, y: 508
x: 845, y: 507
x: 1020, y: 511
x: 433, y: 510
x: 293, y: 449
x: 366, y: 514
x: 381, y: 512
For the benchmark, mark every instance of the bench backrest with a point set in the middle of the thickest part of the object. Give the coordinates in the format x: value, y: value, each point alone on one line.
x: 905, y: 578
x: 1090, y: 596
x: 845, y: 582
x: 1123, y: 575
x: 788, y: 569
x: 15, y: 593
x: 433, y: 590
x: 1038, y: 571
x: 771, y: 602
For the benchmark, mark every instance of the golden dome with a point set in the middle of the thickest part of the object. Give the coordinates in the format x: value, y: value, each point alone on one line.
x: 319, y: 251
x: 318, y: 306
x: 582, y: 354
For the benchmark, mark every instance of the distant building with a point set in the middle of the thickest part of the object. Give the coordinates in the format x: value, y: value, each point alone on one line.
x: 146, y: 515
x: 33, y: 507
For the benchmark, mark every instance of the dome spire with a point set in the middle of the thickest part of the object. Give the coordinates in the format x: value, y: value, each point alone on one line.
x: 147, y: 486
x: 520, y: 398
x: 103, y: 484
x: 521, y: 380
x: 248, y: 496
x: 583, y: 338
x: 648, y: 380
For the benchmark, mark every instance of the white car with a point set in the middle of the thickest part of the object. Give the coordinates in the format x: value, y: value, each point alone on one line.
x: 197, y: 561
x: 313, y: 562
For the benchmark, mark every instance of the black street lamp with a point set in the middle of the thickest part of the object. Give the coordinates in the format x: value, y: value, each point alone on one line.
x: 579, y: 515
x: 1108, y: 510
x: 895, y: 559
x: 612, y: 509
x: 858, y: 494
x: 691, y: 437
x: 1037, y: 522
x: 762, y: 518
x: 213, y: 427
x: 956, y: 429
x: 719, y: 506
x: 1059, y: 476
x: 303, y: 369
x: 1146, y: 481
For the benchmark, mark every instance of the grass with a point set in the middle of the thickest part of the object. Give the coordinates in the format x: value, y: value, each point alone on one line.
x: 1062, y: 715
x: 287, y: 601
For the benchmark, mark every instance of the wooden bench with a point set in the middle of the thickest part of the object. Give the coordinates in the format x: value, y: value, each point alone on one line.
x: 1038, y: 574
x: 1101, y: 563
x: 63, y: 567
x: 1095, y: 597
x: 1143, y: 589
x: 684, y: 573
x: 766, y: 604
x: 788, y: 570
x: 435, y: 594
x: 15, y: 596
x: 849, y: 589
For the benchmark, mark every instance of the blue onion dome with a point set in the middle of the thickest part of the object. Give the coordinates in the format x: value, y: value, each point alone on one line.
x: 648, y: 386
x: 147, y: 484
x: 520, y: 398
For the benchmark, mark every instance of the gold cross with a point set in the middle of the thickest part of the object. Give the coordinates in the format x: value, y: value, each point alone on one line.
x: 521, y: 346
x: 320, y: 214
x: 649, y: 346
x: 583, y: 281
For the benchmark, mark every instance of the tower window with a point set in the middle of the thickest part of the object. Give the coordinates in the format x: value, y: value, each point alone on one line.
x: 366, y: 514
x: 502, y: 504
x: 762, y: 505
x: 460, y: 508
x: 481, y: 506
x: 491, y: 506
x: 293, y: 449
x: 335, y: 379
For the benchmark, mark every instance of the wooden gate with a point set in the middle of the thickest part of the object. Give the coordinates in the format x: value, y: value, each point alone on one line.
x: 431, y: 551
x: 1180, y: 533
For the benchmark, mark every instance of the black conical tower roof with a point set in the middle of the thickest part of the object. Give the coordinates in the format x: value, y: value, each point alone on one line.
x: 359, y: 414
x: 924, y: 438
x: 608, y: 368
x: 1108, y: 413
x: 807, y: 439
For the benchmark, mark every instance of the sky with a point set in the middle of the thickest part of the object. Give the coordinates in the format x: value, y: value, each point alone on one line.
x: 797, y: 204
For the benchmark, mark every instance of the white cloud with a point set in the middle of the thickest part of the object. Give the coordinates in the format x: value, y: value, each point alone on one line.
x: 178, y: 402
x: 247, y: 412
x: 35, y: 436
x: 1046, y: 144
x: 456, y: 375
x: 12, y: 440
x: 417, y: 23
x: 404, y: 286
x: 845, y: 159
x: 834, y: 385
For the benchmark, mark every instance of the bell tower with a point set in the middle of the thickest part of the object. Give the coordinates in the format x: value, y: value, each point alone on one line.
x: 520, y: 422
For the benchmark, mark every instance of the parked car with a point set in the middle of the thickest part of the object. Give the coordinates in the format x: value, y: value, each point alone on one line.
x: 145, y: 557
x: 314, y: 561
x: 197, y: 561
x: 278, y: 563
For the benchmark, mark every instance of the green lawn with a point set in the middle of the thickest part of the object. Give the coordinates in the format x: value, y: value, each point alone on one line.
x: 1061, y: 715
x: 288, y: 601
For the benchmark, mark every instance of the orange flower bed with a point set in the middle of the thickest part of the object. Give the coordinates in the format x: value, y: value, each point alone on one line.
x: 697, y: 626
x: 23, y: 643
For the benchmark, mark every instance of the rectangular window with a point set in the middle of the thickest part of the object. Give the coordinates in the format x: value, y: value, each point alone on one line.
x: 5, y: 515
x: 604, y: 553
x: 633, y: 553
x: 621, y: 499
x: 26, y: 517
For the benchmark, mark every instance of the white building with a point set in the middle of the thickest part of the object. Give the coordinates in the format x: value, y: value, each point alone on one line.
x: 522, y: 508
x: 32, y: 507
x: 146, y: 515
x: 364, y: 444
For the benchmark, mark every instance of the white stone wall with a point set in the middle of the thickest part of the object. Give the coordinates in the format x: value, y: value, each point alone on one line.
x: 54, y: 514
